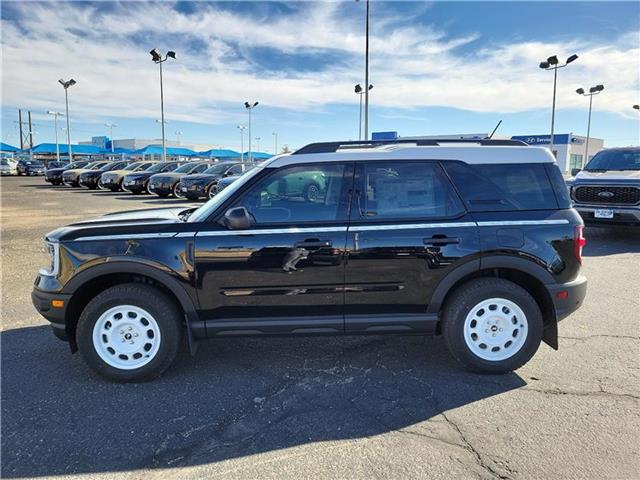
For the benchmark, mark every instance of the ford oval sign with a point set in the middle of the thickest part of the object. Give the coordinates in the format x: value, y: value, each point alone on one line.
x: 605, y: 194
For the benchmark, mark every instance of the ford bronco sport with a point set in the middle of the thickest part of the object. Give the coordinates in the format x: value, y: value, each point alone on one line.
x: 475, y: 241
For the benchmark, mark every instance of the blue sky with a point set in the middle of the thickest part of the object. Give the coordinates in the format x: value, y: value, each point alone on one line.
x: 437, y: 68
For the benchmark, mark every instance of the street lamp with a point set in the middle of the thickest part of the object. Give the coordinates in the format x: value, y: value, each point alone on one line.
x: 178, y: 135
x: 552, y: 64
x: 110, y: 126
x: 55, y: 127
x: 258, y: 143
x: 250, y: 106
x: 366, y: 73
x: 157, y: 58
x: 275, y: 142
x: 242, y: 128
x: 592, y: 91
x: 358, y: 89
x: 66, y: 84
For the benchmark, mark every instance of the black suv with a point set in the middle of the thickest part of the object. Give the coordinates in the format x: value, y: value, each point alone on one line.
x: 607, y: 191
x: 30, y: 167
x: 196, y: 185
x: 475, y: 241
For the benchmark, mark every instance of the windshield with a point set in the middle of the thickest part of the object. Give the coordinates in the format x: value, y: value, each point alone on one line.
x: 95, y: 165
x: 34, y: 163
x: 156, y: 167
x: 615, y: 160
x: 76, y: 165
x: 208, y: 208
x: 134, y: 166
x: 218, y: 168
x: 56, y: 164
x: 186, y: 168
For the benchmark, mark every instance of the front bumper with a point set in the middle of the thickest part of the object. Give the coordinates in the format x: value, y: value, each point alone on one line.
x: 52, y: 178
x: 161, y: 189
x: 194, y: 191
x: 133, y: 185
x: 621, y: 215
x: 56, y: 316
x: 89, y: 182
x: 70, y: 181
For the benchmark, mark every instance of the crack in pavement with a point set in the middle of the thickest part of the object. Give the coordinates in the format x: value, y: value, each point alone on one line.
x: 468, y: 446
x: 581, y: 393
x: 589, y: 337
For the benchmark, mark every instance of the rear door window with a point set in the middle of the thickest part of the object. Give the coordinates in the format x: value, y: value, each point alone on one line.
x: 502, y: 187
x: 406, y: 190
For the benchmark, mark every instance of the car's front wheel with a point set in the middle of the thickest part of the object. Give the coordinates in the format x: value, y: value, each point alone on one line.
x: 129, y: 333
x: 176, y: 191
x: 492, y: 325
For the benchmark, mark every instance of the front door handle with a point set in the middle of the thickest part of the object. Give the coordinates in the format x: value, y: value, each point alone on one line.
x: 440, y: 240
x: 313, y: 243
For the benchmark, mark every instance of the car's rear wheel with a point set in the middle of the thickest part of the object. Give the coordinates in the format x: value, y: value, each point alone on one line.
x: 212, y: 191
x: 129, y: 333
x: 492, y: 325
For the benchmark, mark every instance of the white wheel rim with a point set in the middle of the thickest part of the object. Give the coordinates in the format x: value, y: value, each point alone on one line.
x: 126, y: 337
x: 212, y: 191
x: 313, y: 192
x: 176, y: 191
x: 495, y: 329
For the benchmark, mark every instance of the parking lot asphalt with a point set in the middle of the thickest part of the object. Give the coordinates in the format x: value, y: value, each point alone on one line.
x: 323, y: 407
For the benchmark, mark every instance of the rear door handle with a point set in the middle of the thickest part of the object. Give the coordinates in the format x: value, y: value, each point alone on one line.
x: 440, y: 240
x: 313, y: 244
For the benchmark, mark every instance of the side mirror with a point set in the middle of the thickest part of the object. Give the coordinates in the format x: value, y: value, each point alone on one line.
x: 237, y: 218
x: 575, y: 171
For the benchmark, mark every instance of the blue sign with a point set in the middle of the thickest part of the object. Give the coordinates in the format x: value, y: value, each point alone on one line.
x: 558, y: 139
x: 384, y: 136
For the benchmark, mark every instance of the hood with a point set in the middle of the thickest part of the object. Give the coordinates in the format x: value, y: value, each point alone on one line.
x: 619, y: 176
x: 200, y: 177
x: 92, y: 173
x: 133, y: 222
x: 56, y: 171
x: 77, y: 171
x: 167, y: 176
x: 119, y: 172
x: 137, y: 175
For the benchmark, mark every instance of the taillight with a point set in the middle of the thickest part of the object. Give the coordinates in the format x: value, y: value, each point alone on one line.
x: 578, y: 241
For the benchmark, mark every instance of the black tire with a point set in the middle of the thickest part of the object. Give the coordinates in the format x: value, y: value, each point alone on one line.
x: 470, y: 294
x: 155, y: 302
x: 162, y: 195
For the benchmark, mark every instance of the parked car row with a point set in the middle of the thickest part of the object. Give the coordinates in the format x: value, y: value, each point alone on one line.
x: 190, y: 179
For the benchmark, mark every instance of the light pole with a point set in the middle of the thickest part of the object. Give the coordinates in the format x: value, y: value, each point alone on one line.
x: 552, y: 64
x: 157, y: 58
x: 366, y: 73
x: 55, y: 127
x: 592, y: 91
x: 110, y: 126
x: 258, y: 143
x: 66, y: 84
x: 178, y: 135
x: 358, y: 89
x: 275, y: 142
x: 250, y: 106
x: 242, y: 128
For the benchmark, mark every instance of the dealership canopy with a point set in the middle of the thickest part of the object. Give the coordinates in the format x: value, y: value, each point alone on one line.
x: 258, y: 155
x: 219, y: 153
x: 171, y: 151
x: 5, y: 147
x: 45, y: 148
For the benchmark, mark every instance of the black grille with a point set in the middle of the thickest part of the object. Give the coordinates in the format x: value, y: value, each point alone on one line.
x: 608, y: 195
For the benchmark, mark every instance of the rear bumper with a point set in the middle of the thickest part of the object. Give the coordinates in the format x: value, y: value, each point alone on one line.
x: 567, y: 303
x: 621, y: 215
x: 56, y: 316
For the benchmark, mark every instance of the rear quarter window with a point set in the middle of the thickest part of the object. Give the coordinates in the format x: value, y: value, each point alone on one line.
x: 503, y: 187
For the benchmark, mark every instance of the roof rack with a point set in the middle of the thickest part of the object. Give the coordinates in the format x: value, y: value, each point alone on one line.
x: 330, y: 147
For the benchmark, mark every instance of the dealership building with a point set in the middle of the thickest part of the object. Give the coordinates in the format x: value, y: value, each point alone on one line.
x: 568, y: 148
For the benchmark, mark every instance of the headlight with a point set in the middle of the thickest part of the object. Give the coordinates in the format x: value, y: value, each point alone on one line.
x: 52, y: 248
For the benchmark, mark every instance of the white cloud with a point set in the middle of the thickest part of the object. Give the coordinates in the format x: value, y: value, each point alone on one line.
x: 106, y: 50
